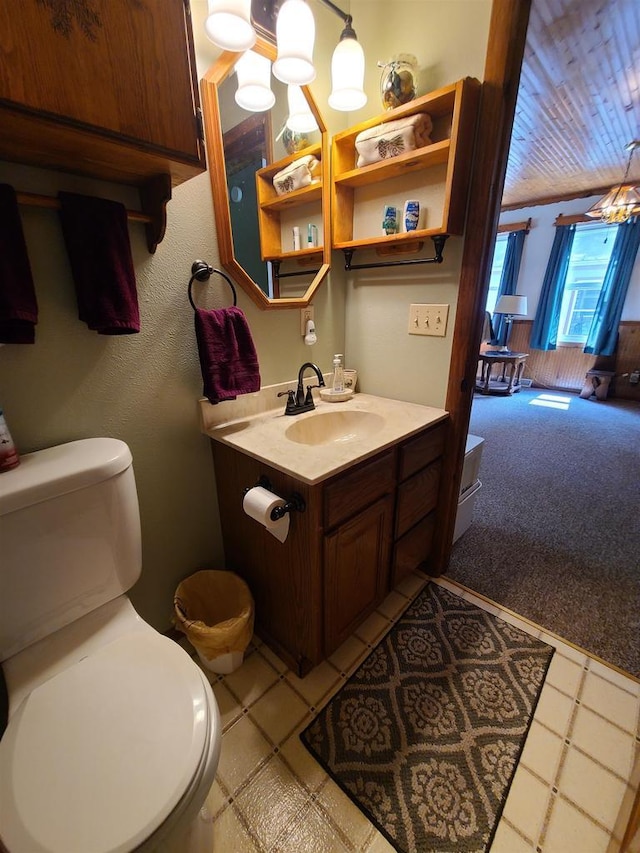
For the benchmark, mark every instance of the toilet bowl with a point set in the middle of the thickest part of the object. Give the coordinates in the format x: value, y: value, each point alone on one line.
x: 113, y: 737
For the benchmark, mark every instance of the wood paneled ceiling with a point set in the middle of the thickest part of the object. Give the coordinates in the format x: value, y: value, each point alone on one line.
x: 578, y: 102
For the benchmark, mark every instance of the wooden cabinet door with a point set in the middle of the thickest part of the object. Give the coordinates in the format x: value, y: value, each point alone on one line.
x: 121, y: 68
x: 356, y: 570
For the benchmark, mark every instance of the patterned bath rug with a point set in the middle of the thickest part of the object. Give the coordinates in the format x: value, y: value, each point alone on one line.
x: 426, y: 735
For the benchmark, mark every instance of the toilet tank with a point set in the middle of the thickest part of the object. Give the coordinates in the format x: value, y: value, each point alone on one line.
x: 69, y: 537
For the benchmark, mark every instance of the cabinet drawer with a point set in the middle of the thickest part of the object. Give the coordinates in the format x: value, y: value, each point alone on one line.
x: 417, y: 497
x: 413, y: 549
x: 350, y: 493
x: 420, y: 451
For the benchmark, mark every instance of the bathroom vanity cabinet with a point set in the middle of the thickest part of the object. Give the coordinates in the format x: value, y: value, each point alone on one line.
x: 362, y: 531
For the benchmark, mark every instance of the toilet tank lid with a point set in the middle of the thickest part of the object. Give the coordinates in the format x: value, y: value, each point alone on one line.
x: 59, y: 470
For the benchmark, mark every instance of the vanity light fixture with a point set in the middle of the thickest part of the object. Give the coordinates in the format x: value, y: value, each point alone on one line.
x: 622, y: 201
x: 229, y: 21
x: 295, y: 36
x: 254, y: 91
x: 229, y: 26
x: 300, y: 118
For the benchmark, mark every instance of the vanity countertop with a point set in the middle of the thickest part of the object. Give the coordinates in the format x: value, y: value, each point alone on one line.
x: 261, y: 433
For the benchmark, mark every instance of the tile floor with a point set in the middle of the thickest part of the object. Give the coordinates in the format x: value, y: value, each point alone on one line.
x: 572, y: 792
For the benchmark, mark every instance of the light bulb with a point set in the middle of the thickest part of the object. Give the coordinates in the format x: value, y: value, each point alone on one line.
x: 347, y: 75
x: 254, y: 91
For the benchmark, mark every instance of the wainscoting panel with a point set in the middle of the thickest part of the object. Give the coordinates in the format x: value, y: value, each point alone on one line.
x: 565, y: 369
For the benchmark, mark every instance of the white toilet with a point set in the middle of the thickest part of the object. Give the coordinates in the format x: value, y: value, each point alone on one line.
x: 114, y: 733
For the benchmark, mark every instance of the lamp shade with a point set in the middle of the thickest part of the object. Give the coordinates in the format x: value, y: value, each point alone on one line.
x: 347, y: 75
x: 228, y: 24
x: 254, y: 74
x: 511, y: 304
x: 295, y: 35
x: 618, y: 205
x: 300, y: 118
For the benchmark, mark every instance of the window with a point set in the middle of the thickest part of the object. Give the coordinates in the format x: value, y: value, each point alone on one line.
x: 496, y: 271
x: 590, y: 253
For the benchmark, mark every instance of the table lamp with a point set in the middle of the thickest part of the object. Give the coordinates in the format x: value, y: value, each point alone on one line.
x: 510, y: 306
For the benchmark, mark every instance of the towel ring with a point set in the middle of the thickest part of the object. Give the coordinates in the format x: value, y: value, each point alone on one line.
x: 201, y: 271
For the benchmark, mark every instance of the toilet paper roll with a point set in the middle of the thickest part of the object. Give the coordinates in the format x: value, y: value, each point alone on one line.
x: 258, y: 504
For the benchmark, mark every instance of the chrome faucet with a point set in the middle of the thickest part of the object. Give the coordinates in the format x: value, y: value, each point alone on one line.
x: 299, y: 401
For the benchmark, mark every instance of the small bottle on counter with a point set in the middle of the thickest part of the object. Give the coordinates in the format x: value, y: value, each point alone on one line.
x: 9, y: 457
x: 296, y: 239
x: 338, y: 374
x: 411, y: 216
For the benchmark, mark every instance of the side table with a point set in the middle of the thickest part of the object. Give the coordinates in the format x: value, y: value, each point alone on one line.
x: 515, y: 362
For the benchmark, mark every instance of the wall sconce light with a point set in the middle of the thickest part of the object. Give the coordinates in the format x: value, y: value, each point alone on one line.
x: 300, y: 118
x: 229, y: 23
x: 254, y: 92
x: 510, y: 305
x: 229, y: 26
x: 622, y: 201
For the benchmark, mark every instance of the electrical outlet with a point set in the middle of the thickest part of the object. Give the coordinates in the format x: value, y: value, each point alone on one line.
x: 306, y: 314
x: 428, y: 320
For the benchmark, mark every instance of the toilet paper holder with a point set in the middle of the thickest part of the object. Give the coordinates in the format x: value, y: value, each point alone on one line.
x: 296, y: 502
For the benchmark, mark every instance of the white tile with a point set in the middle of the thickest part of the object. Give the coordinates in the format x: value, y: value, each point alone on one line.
x: 609, y: 674
x: 410, y: 586
x: 302, y: 764
x: 372, y: 629
x: 507, y: 840
x: 349, y: 655
x: 353, y: 823
x: 317, y: 684
x: 521, y: 624
x: 593, y: 789
x: 605, y: 742
x: 271, y: 802
x: 542, y: 752
x: 229, y: 833
x: 278, y: 664
x: 393, y: 605
x: 554, y: 709
x: 229, y: 707
x: 570, y: 831
x: 216, y: 799
x: 310, y: 832
x: 244, y: 748
x: 611, y: 702
x: 565, y: 674
x: 251, y: 680
x: 526, y: 804
x: 279, y: 712
x: 576, y: 655
x: 379, y: 844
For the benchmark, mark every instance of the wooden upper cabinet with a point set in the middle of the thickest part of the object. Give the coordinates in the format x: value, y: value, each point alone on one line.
x: 104, y: 88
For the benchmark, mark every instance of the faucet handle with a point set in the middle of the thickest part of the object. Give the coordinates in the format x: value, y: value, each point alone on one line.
x: 291, y: 401
x: 308, y: 400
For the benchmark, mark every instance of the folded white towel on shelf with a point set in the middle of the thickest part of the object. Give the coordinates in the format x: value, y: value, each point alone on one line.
x: 302, y: 172
x: 392, y: 138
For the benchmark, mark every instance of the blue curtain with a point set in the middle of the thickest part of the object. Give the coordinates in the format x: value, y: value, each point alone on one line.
x: 544, y: 332
x: 509, y: 277
x: 603, y: 334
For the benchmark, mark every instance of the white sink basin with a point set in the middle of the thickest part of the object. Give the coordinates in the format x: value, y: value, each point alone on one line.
x: 332, y: 427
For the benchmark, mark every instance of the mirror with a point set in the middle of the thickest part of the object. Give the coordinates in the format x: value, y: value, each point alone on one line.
x: 254, y: 223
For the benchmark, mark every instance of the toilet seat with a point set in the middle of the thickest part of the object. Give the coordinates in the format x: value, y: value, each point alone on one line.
x: 96, y: 758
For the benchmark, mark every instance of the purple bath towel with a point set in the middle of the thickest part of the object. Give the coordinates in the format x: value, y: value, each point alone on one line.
x: 96, y: 235
x: 18, y: 305
x: 228, y: 358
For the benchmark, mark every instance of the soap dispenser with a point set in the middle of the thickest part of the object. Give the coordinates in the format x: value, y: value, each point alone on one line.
x: 338, y: 374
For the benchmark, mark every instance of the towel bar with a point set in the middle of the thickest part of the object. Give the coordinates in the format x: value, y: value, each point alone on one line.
x: 201, y: 271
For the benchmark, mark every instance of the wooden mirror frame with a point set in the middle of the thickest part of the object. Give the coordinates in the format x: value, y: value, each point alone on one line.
x: 213, y: 78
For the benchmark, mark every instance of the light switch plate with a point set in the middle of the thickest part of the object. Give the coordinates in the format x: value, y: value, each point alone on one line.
x: 428, y: 320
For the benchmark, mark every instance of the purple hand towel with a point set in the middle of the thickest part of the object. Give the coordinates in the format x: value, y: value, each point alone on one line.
x: 96, y: 235
x: 18, y: 305
x: 228, y: 358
